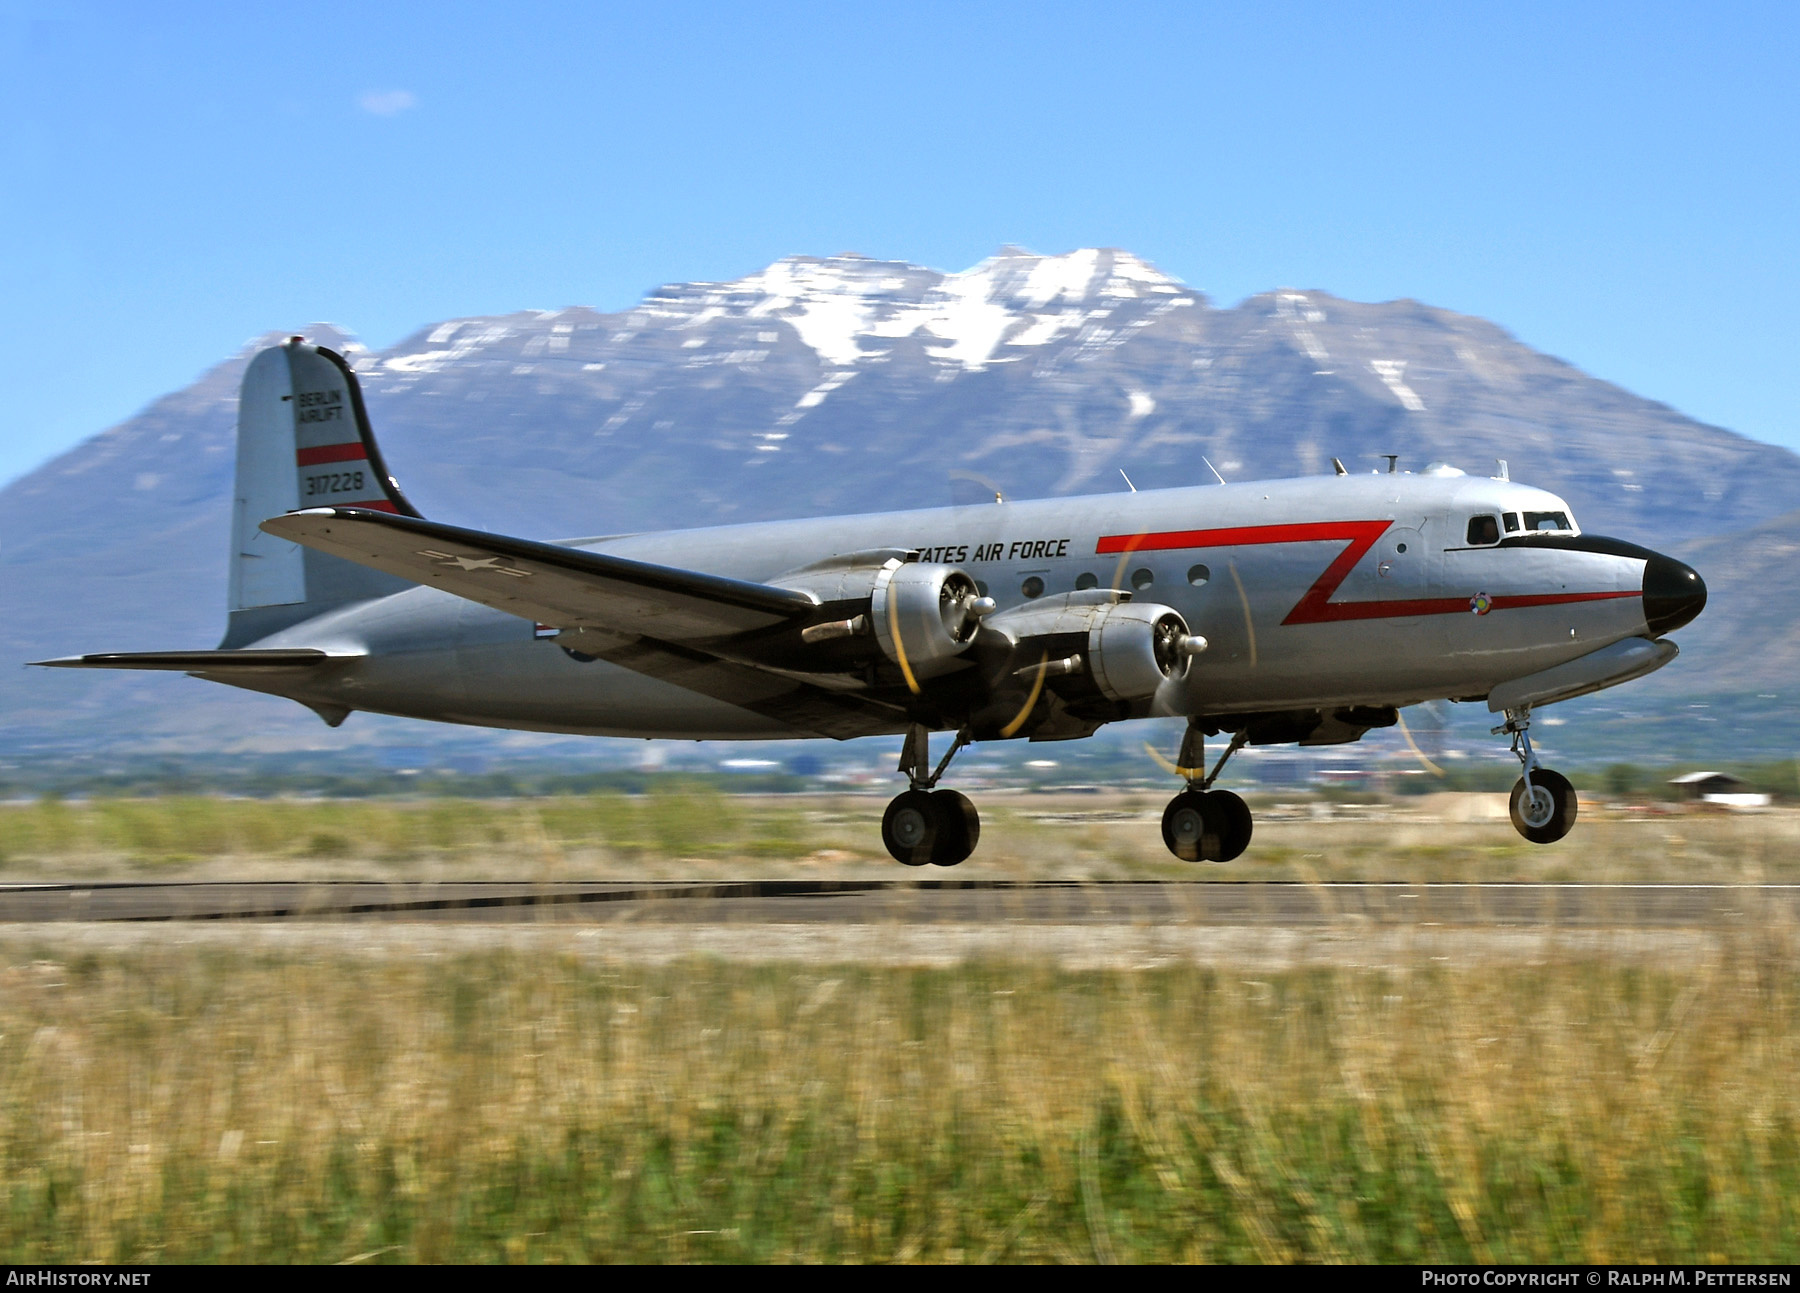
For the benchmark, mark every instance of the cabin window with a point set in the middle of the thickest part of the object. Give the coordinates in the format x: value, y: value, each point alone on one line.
x: 1087, y: 579
x: 1198, y: 575
x: 1141, y: 578
x: 1032, y: 587
x: 1484, y: 530
x: 1547, y: 521
x: 1512, y: 522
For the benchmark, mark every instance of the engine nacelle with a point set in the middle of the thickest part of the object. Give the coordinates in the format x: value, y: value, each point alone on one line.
x: 919, y: 616
x: 924, y: 616
x: 1136, y: 649
x: 1132, y: 648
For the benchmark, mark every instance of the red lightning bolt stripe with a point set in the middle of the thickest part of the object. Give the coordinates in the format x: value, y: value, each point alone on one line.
x: 1317, y: 607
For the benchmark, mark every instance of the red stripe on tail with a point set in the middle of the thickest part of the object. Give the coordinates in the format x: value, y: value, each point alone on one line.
x: 351, y: 452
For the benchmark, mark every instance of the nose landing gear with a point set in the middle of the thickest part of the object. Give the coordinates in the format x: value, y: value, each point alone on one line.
x: 1201, y: 824
x: 923, y: 825
x: 1543, y: 802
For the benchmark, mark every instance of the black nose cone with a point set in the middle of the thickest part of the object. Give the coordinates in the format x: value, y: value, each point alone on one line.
x: 1673, y: 594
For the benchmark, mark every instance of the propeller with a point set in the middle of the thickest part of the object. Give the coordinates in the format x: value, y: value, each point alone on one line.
x: 1244, y: 601
x: 1436, y: 728
x: 893, y: 617
x: 1169, y: 765
x: 1037, y: 689
x: 960, y: 497
x: 1131, y: 546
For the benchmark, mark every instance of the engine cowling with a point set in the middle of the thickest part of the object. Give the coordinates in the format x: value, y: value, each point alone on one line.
x: 1136, y: 649
x: 920, y: 616
x: 924, y: 616
x: 1133, y: 648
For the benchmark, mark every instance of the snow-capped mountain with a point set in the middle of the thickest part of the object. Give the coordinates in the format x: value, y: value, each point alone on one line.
x: 840, y: 384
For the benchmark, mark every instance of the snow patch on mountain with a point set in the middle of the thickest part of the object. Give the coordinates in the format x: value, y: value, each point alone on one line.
x: 1055, y: 276
x: 964, y: 313
x: 476, y: 335
x: 843, y: 307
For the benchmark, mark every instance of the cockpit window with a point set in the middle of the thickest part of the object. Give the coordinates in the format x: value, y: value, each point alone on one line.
x: 1484, y: 529
x: 1512, y: 522
x: 1547, y: 521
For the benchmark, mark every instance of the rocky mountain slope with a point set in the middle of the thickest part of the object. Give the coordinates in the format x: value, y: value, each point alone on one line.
x: 843, y: 384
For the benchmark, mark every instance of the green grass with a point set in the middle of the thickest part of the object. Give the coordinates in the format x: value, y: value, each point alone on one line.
x: 182, y: 1105
x: 692, y: 831
x: 675, y: 821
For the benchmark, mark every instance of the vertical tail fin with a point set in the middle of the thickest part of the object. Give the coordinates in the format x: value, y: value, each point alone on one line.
x: 303, y: 441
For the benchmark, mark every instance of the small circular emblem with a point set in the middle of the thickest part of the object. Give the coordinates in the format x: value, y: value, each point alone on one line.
x: 1481, y: 603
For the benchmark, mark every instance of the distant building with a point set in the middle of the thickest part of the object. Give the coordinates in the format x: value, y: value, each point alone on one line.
x: 1284, y: 772
x: 1718, y: 788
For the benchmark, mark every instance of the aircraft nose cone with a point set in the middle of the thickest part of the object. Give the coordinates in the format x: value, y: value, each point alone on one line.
x: 1673, y: 594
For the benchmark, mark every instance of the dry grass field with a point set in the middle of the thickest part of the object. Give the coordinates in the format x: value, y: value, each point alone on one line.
x: 172, y: 1104
x: 701, y: 834
x: 492, y: 1097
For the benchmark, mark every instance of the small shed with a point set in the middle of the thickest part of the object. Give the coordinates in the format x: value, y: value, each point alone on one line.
x: 1718, y: 788
x: 1698, y: 785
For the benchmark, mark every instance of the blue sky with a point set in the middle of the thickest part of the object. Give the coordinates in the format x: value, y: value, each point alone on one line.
x: 1616, y: 184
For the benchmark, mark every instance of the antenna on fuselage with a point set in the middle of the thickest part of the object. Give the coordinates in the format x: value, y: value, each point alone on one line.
x: 1214, y: 470
x: 1128, y: 480
x: 1504, y: 473
x: 1338, y: 468
x: 1393, y: 461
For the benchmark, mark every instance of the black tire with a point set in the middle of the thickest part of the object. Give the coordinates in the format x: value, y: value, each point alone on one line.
x: 1190, y: 827
x: 958, y: 827
x: 910, y: 827
x: 1551, y: 815
x: 1235, y: 823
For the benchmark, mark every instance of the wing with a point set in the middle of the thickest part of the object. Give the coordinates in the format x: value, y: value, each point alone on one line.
x: 274, y: 660
x: 803, y: 705
x: 676, y: 625
x: 546, y: 582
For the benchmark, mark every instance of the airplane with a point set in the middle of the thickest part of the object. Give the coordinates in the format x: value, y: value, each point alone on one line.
x: 1301, y: 611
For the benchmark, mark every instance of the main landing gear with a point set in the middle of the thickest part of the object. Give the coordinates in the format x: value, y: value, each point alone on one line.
x: 1543, y: 802
x: 1202, y: 824
x: 926, y: 825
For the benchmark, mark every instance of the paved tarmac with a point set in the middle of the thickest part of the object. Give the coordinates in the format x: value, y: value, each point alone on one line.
x: 930, y: 901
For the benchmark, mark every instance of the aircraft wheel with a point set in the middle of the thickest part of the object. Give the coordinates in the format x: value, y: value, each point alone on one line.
x: 910, y: 827
x: 958, y: 827
x: 1235, y: 823
x: 1546, y: 815
x: 1190, y: 827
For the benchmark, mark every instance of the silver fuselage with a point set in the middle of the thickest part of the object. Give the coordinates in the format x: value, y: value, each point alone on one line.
x: 1291, y: 621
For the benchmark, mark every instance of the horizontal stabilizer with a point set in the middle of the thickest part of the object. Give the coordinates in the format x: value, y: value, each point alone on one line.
x: 546, y: 582
x: 199, y: 661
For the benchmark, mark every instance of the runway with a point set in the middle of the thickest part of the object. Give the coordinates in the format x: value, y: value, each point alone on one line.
x: 920, y: 901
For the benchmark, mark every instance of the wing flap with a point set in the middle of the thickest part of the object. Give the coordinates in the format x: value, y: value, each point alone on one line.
x: 546, y: 582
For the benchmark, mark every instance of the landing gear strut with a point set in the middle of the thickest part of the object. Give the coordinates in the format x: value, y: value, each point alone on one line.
x: 1543, y: 801
x: 1202, y: 824
x: 926, y: 825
